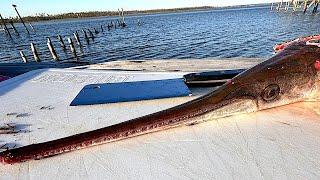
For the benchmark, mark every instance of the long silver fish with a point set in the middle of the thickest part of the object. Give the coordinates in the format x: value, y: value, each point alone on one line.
x: 290, y: 76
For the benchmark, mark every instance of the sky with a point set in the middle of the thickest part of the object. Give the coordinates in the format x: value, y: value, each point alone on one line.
x: 32, y: 7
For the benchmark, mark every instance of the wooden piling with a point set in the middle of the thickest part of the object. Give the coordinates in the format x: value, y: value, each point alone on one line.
x: 287, y: 6
x: 14, y: 28
x: 23, y: 56
x: 95, y: 31
x: 278, y: 7
x: 5, y: 26
x: 15, y: 8
x: 305, y: 7
x: 52, y: 50
x: 76, y: 36
x: 123, y: 21
x: 35, y: 52
x: 91, y: 34
x: 85, y: 36
x: 61, y: 42
x: 101, y: 28
x: 120, y: 17
x: 32, y: 27
x: 281, y: 3
x: 73, y: 50
x: 315, y: 9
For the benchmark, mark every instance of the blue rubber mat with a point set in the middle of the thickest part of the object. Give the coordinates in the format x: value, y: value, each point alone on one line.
x: 130, y: 91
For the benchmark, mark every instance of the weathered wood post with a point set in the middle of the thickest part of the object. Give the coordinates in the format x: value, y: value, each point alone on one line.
x: 95, y: 31
x: 61, y: 42
x: 15, y: 8
x: 278, y: 7
x: 23, y: 56
x: 73, y: 50
x: 35, y: 52
x: 315, y: 9
x: 120, y: 17
x: 85, y: 36
x: 91, y: 34
x: 13, y: 27
x: 287, y: 6
x: 281, y: 3
x: 101, y: 28
x: 5, y: 26
x: 305, y: 7
x: 32, y: 27
x: 76, y: 36
x: 123, y: 21
x: 52, y: 50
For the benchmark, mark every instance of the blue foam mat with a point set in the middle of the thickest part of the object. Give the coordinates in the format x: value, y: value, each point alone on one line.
x: 130, y: 91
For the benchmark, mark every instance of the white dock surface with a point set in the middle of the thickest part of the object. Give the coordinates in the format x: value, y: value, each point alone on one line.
x: 280, y: 143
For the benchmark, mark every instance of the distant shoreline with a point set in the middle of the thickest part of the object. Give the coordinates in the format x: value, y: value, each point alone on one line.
x: 92, y: 14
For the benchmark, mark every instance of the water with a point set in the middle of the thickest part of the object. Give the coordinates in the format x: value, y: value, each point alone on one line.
x: 246, y: 32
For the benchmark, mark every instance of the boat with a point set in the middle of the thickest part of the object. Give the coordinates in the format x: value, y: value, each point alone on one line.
x: 3, y: 78
x: 280, y: 142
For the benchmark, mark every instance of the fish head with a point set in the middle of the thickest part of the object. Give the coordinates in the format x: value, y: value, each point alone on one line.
x: 292, y: 75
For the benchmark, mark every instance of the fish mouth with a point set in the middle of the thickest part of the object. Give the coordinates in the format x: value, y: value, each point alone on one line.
x: 233, y: 108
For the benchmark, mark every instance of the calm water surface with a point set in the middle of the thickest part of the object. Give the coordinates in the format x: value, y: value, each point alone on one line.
x: 246, y: 32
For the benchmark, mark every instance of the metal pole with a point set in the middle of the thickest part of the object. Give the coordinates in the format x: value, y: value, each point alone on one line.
x: 15, y: 8
x: 5, y: 26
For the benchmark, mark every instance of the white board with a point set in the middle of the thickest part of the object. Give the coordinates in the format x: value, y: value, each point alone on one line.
x: 280, y: 143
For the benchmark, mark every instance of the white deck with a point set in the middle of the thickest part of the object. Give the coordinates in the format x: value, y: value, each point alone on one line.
x: 280, y: 143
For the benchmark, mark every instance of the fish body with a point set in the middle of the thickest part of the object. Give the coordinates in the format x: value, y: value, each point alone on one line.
x: 290, y: 76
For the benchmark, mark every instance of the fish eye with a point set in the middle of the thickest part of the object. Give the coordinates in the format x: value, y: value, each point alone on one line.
x: 271, y: 92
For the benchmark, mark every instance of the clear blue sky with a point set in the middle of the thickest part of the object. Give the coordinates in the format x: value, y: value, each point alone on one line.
x: 31, y: 7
